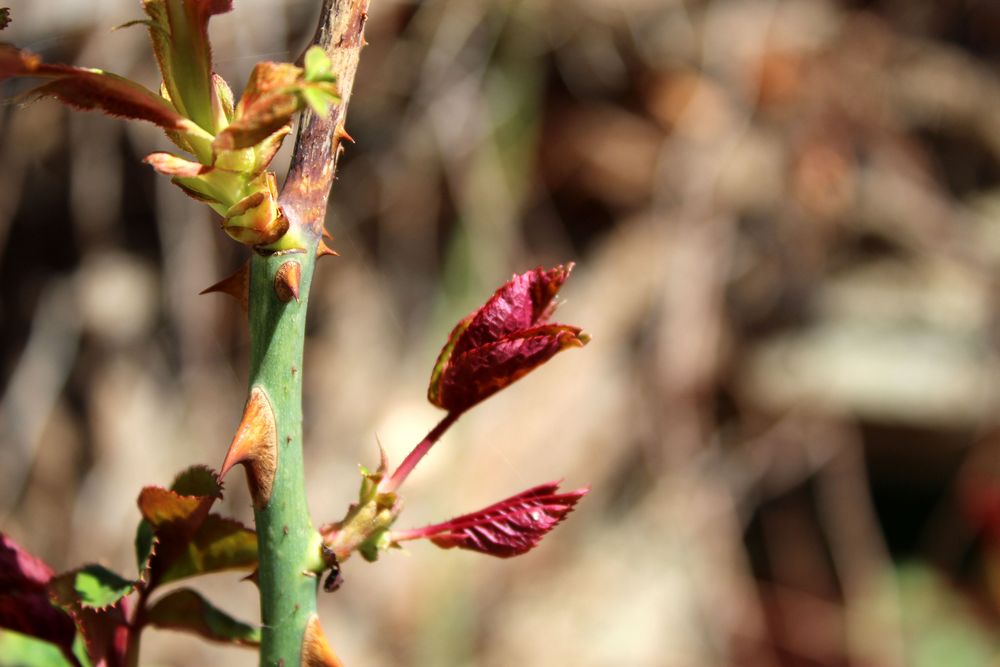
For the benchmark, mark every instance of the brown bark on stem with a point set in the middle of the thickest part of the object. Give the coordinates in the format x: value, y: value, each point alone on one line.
x: 318, y: 145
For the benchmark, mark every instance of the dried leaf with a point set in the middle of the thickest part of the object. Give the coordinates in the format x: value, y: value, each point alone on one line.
x: 186, y: 610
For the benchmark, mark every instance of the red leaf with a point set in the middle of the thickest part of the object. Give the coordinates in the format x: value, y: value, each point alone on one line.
x: 502, y: 341
x: 19, y: 569
x: 508, y: 528
x: 92, y: 89
x: 24, y: 600
x: 524, y: 302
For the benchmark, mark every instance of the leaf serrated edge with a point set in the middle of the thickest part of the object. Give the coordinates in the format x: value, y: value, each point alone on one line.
x: 102, y: 608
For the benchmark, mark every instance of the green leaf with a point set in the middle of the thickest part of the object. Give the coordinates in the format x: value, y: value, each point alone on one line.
x: 24, y: 651
x: 317, y: 65
x: 186, y: 610
x: 78, y: 592
x: 197, y: 481
x: 220, y: 544
x: 98, y: 587
x: 320, y: 98
x: 145, y: 545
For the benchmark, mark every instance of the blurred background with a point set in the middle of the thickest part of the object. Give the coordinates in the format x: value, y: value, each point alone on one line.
x: 786, y: 221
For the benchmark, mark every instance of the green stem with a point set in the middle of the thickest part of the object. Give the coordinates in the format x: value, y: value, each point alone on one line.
x: 288, y: 542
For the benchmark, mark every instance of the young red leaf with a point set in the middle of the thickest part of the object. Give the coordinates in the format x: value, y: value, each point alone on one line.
x: 186, y: 610
x: 502, y: 341
x: 93, y: 89
x: 508, y: 528
x: 24, y: 600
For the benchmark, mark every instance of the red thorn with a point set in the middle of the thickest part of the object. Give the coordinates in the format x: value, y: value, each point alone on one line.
x: 236, y: 285
x: 322, y: 250
x: 342, y: 134
x: 255, y: 445
x: 286, y: 281
x: 316, y: 651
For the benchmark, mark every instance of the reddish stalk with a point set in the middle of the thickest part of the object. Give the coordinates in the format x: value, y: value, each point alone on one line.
x: 413, y: 458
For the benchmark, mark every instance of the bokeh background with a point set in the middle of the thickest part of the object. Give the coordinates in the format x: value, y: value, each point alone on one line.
x: 786, y: 221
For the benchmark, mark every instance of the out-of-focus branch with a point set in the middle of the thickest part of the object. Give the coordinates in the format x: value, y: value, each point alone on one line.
x: 314, y: 161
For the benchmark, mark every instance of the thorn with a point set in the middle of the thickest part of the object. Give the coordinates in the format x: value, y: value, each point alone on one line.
x: 316, y: 652
x: 322, y: 250
x: 342, y: 133
x: 327, y: 234
x: 236, y: 285
x: 383, y: 459
x: 286, y: 281
x: 256, y: 447
x: 253, y: 577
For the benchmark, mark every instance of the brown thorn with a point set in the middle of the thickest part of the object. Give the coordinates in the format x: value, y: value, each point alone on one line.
x: 256, y: 447
x: 322, y: 250
x: 316, y: 652
x: 342, y: 134
x: 236, y: 285
x: 286, y: 281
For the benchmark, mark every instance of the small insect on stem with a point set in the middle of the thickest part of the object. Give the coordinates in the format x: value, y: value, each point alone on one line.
x: 334, y: 580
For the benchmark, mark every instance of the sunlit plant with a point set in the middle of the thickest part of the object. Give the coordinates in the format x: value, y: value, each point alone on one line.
x: 93, y: 616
